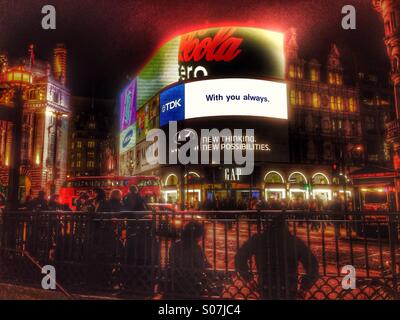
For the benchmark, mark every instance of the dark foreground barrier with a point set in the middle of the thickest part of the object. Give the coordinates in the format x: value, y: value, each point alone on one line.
x: 194, y: 255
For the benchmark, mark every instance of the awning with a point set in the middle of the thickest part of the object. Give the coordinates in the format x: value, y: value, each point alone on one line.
x: 373, y: 175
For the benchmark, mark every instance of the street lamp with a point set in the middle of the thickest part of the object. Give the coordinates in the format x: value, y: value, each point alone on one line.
x: 17, y: 79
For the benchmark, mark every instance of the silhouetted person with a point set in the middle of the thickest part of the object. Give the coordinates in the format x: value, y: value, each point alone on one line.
x: 277, y: 255
x: 133, y: 200
x: 83, y: 203
x: 186, y: 276
x: 53, y: 203
x: 100, y: 203
x: 115, y: 202
x: 38, y: 203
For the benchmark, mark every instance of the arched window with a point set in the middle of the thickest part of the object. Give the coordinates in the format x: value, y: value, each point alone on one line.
x: 274, y: 177
x: 320, y: 178
x: 297, y: 178
x: 171, y: 180
x: 191, y: 177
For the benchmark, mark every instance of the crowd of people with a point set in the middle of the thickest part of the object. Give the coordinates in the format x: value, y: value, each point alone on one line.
x: 97, y: 202
x: 229, y: 203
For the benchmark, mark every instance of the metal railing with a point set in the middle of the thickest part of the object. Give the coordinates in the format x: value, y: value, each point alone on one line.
x: 206, y: 254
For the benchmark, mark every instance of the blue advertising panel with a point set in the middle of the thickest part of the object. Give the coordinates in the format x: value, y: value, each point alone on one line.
x: 172, y: 104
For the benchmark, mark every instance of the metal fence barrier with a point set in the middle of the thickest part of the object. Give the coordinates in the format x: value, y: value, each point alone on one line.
x: 206, y: 254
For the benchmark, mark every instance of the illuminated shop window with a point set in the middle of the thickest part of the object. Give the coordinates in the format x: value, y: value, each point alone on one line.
x: 273, y: 177
x: 297, y: 178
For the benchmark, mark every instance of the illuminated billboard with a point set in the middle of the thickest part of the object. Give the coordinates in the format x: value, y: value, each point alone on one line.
x: 172, y: 104
x: 128, y: 106
x: 147, y: 118
x: 127, y: 139
x: 236, y: 97
x: 225, y: 52
x: 224, y: 97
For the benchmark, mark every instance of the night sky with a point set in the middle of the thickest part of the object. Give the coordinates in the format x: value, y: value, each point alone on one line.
x: 108, y: 41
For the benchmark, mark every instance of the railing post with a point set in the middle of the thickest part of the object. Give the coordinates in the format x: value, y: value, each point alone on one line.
x: 393, y: 238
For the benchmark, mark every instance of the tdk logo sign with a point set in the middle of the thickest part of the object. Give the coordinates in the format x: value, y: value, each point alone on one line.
x: 172, y: 104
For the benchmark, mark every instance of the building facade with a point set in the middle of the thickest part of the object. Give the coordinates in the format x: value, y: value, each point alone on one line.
x: 327, y: 139
x: 45, y: 125
x: 91, y: 147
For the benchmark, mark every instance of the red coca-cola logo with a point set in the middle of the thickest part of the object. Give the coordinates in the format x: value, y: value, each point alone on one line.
x: 222, y: 47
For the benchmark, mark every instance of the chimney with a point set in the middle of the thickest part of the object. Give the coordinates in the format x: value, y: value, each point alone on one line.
x: 60, y: 63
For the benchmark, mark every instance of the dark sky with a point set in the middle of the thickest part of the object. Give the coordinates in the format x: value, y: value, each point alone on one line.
x: 109, y: 40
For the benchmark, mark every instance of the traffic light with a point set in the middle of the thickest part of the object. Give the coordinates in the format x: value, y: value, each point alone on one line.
x: 335, y: 169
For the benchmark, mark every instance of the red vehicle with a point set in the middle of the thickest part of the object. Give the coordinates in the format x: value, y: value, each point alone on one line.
x: 149, y: 187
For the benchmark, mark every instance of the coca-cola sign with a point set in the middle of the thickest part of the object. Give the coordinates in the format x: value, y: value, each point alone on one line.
x: 231, y: 52
x: 225, y: 52
x: 196, y: 46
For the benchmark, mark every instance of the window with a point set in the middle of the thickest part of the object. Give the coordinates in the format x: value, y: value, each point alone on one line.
x: 300, y: 98
x: 291, y: 71
x: 315, y: 100
x: 79, y: 144
x: 79, y: 155
x: 91, y: 144
x: 92, y: 125
x: 338, y: 79
x: 352, y: 106
x: 333, y: 125
x: 370, y: 123
x: 339, y: 103
x: 299, y: 73
x: 90, y: 164
x: 332, y: 103
x: 78, y: 164
x: 292, y: 97
x: 314, y: 75
x: 330, y: 78
x: 90, y: 154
